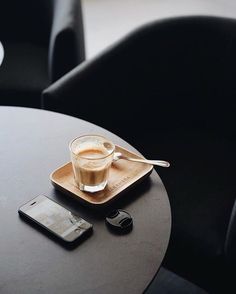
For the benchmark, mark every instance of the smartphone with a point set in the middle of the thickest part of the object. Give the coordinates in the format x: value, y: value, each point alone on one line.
x: 56, y: 219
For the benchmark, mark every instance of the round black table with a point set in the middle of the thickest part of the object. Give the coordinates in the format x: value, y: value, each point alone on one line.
x: 1, y: 53
x: 33, y: 144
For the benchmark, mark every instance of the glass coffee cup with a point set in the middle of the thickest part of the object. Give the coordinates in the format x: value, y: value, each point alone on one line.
x: 91, y: 157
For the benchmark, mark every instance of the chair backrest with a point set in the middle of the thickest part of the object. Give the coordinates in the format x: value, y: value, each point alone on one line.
x: 26, y: 20
x: 175, y: 73
x: 56, y: 25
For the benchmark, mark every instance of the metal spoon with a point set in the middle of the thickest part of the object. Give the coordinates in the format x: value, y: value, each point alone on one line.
x: 118, y: 155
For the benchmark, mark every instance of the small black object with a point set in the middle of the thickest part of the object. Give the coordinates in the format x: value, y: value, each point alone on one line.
x: 119, y: 221
x: 56, y: 221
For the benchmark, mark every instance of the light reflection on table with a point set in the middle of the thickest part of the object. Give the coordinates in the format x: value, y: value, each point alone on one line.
x: 1, y: 53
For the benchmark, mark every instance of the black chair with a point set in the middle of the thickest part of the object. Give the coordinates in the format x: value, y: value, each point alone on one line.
x: 169, y: 89
x: 42, y: 41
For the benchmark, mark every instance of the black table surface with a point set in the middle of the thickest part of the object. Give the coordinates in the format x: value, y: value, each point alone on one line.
x: 33, y: 144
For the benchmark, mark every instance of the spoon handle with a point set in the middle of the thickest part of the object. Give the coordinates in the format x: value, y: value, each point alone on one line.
x: 153, y: 162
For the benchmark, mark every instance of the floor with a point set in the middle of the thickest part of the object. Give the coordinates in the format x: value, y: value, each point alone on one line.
x: 106, y: 21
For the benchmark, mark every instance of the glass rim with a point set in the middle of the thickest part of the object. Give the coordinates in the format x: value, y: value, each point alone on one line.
x: 89, y: 158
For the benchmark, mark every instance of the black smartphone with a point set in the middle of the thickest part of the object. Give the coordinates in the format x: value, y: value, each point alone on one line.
x: 56, y: 219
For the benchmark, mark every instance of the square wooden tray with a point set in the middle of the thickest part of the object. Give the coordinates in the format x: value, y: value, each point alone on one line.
x: 123, y: 174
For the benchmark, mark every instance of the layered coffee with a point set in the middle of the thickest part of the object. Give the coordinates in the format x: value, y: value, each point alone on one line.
x: 91, y: 157
x: 94, y: 171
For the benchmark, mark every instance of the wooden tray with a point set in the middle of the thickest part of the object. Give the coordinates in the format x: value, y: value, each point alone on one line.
x: 122, y: 175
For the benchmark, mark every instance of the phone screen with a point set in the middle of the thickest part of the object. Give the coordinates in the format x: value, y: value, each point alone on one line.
x: 55, y: 218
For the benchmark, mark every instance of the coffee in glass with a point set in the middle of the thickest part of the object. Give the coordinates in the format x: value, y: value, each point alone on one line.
x: 91, y: 157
